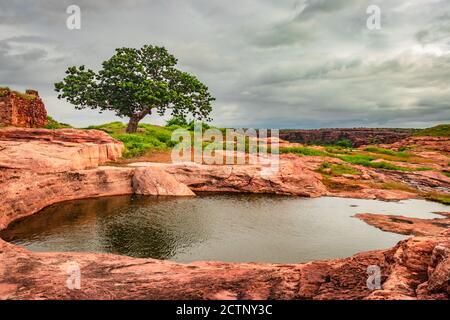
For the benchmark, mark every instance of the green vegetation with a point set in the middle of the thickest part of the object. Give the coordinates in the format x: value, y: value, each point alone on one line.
x: 446, y: 173
x: 337, y: 169
x: 438, y: 197
x: 349, y: 157
x: 53, y: 124
x: 6, y: 90
x: 367, y: 161
x: 389, y: 152
x: 134, y: 83
x: 147, y: 138
x: 305, y: 151
x: 344, y: 143
x: 442, y: 130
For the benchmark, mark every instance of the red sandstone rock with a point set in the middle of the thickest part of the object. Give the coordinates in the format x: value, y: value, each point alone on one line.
x: 358, y: 136
x: 404, y: 269
x: 22, y: 110
x: 292, y: 178
x: 45, y: 151
x: 406, y: 225
x: 417, y: 268
x: 157, y: 182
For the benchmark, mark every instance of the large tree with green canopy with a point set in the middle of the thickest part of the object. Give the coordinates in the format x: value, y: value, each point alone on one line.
x: 135, y: 82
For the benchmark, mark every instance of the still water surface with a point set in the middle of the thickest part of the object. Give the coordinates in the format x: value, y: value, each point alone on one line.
x: 237, y: 228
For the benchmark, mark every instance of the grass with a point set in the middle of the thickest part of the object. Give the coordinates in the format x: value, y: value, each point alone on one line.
x: 446, y: 173
x: 442, y: 130
x: 337, y: 169
x: 305, y: 151
x: 149, y: 137
x: 438, y: 197
x: 339, y: 186
x: 389, y: 152
x: 53, y: 124
x: 366, y: 160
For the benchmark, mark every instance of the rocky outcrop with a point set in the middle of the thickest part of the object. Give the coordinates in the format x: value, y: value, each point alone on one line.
x: 406, y: 225
x: 22, y: 110
x: 154, y: 181
x: 41, y: 167
x: 292, y: 178
x: 415, y: 268
x: 358, y: 136
x: 46, y: 151
x: 425, y: 143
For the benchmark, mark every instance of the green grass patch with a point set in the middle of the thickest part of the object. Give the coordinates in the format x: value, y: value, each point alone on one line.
x: 367, y: 161
x: 441, y: 198
x: 442, y: 130
x: 305, y: 151
x: 357, y: 159
x: 389, y: 152
x: 446, y: 173
x: 53, y: 124
x: 337, y: 169
x: 149, y: 137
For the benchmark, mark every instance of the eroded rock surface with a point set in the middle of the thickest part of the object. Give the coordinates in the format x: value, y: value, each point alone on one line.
x: 358, y: 136
x: 39, y: 168
x: 415, y: 268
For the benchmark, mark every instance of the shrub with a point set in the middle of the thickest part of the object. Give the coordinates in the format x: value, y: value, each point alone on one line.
x: 53, y: 124
x: 344, y: 143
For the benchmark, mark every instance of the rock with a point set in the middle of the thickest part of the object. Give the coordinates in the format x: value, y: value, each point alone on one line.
x: 358, y: 136
x: 45, y: 151
x: 42, y: 167
x: 25, y: 192
x: 22, y: 110
x: 406, y: 225
x: 157, y: 182
x: 439, y: 270
x: 28, y: 275
x: 292, y: 178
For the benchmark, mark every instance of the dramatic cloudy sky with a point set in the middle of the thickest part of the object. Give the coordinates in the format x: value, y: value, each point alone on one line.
x: 269, y: 63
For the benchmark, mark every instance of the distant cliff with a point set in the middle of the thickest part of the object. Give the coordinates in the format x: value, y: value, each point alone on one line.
x: 357, y: 136
x: 22, y: 109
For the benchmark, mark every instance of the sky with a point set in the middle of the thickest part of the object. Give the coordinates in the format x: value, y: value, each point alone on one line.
x: 268, y: 63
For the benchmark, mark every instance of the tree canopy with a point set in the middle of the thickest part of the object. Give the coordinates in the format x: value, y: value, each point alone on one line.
x: 135, y: 82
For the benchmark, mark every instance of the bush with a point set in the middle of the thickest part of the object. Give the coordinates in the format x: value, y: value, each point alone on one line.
x: 179, y: 121
x: 344, y: 143
x: 53, y: 124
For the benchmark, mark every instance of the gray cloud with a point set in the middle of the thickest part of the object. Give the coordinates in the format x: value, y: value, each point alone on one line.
x: 270, y: 63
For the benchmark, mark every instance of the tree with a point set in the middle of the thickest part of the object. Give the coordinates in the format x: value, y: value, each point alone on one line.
x: 135, y: 82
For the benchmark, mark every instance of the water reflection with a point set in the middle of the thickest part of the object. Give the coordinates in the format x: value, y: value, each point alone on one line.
x: 213, y: 227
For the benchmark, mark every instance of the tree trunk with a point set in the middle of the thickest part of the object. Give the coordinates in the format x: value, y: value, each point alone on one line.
x: 133, y: 124
x: 134, y: 121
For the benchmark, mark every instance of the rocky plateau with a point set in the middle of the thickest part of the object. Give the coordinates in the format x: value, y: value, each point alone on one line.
x: 41, y: 167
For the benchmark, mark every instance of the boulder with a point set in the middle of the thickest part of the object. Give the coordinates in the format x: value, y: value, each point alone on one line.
x: 155, y: 181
